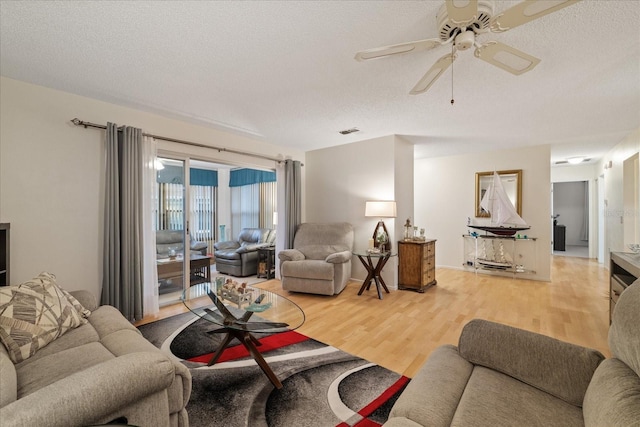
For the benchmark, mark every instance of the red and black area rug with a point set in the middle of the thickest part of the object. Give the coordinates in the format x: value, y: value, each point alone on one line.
x: 322, y: 386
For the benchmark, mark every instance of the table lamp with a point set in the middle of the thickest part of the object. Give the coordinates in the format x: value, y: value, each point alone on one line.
x: 381, y: 209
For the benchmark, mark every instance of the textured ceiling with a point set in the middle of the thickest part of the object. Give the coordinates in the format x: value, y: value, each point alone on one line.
x: 284, y: 71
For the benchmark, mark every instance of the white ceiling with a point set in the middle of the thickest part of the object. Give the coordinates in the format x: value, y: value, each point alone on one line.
x: 283, y: 71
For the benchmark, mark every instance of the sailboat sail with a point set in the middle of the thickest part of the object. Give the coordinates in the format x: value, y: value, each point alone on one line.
x: 497, y: 203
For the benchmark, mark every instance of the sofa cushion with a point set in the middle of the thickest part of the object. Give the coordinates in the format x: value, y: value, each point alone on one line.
x: 309, y: 269
x: 613, y: 396
x: 81, y: 335
x: 32, y: 315
x: 556, y: 367
x: 495, y: 399
x: 623, y: 333
x: 54, y: 367
x: 321, y: 252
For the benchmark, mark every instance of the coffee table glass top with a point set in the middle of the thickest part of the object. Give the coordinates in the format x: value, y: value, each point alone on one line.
x: 226, y: 302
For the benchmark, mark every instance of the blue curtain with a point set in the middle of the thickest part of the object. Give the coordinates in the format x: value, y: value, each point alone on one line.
x: 173, y: 175
x: 240, y: 177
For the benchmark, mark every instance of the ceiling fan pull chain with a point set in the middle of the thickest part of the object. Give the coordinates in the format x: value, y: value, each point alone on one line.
x: 452, y: 60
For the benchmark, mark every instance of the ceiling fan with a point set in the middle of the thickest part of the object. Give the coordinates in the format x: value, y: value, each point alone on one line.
x: 460, y: 22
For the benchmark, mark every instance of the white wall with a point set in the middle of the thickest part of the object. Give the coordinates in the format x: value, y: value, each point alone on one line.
x: 51, y: 175
x: 445, y: 198
x: 339, y: 180
x: 615, y: 213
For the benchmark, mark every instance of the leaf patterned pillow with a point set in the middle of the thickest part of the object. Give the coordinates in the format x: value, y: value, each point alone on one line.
x: 33, y: 314
x: 74, y: 302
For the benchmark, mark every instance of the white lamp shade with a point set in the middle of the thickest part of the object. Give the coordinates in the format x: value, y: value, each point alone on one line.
x: 380, y: 209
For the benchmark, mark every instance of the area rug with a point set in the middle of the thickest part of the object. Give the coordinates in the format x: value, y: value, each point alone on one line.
x: 322, y: 386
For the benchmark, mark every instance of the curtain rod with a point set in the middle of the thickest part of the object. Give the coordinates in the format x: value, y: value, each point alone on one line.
x: 79, y: 122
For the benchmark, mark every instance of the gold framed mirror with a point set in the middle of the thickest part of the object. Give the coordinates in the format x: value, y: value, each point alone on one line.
x: 512, y: 183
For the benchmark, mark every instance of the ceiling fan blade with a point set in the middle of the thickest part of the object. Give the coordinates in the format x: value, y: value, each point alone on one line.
x: 380, y: 52
x: 432, y: 75
x: 506, y: 57
x: 525, y: 12
x: 461, y: 13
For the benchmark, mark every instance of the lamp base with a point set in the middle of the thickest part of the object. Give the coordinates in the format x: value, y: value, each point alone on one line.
x: 386, y: 246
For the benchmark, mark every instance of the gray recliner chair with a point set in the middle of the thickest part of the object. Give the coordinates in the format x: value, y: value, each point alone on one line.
x: 240, y: 257
x: 320, y: 261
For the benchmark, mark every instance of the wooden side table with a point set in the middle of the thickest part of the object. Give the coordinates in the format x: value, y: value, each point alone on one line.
x: 266, y: 262
x: 374, y: 272
x: 416, y: 264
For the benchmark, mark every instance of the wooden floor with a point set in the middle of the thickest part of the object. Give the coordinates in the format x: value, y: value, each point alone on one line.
x: 401, y: 330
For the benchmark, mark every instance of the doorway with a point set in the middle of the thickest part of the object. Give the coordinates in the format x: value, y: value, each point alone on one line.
x: 571, y: 212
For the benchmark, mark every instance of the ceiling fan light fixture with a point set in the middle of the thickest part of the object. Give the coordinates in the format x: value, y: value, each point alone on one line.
x: 465, y: 40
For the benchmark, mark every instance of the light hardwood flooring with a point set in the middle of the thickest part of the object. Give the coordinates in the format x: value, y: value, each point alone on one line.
x: 401, y: 330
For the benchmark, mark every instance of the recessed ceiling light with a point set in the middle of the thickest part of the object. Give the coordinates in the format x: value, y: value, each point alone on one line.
x: 348, y: 131
x: 575, y: 160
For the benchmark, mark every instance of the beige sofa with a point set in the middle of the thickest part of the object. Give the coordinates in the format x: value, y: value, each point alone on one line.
x: 503, y: 376
x: 101, y: 371
x: 320, y: 261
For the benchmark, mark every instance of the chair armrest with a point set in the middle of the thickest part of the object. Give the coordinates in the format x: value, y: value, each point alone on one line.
x: 196, y: 245
x: 559, y: 368
x: 251, y: 247
x: 339, y: 257
x: 229, y: 244
x: 291, y: 255
x: 86, y: 298
x: 94, y: 393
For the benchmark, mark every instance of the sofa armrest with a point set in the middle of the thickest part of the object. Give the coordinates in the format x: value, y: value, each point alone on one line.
x: 92, y: 394
x: 559, y: 368
x: 225, y: 246
x: 86, y: 298
x: 290, y: 255
x: 339, y: 257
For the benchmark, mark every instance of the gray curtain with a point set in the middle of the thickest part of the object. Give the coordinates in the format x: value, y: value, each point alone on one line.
x: 293, y: 197
x: 122, y: 281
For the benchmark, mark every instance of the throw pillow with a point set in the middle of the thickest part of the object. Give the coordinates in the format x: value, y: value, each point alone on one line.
x: 32, y: 315
x: 74, y: 302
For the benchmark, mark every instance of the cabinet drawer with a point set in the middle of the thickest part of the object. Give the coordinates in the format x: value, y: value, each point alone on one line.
x: 616, y: 289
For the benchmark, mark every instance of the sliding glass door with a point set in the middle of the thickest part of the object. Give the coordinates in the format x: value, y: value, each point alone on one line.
x: 186, y: 219
x: 170, y: 228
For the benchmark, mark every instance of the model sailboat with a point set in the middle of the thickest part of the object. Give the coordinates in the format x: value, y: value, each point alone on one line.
x: 505, y: 220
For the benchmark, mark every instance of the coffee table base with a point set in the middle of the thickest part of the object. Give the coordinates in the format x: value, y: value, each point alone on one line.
x: 250, y: 343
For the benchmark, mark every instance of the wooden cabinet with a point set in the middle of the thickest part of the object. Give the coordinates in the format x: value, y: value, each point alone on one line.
x: 4, y: 254
x: 416, y: 264
x: 624, y: 270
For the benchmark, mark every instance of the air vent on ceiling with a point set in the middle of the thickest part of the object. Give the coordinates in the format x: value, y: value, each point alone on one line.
x: 348, y: 131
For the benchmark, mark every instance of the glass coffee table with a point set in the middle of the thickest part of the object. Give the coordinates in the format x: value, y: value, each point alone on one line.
x: 242, y: 310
